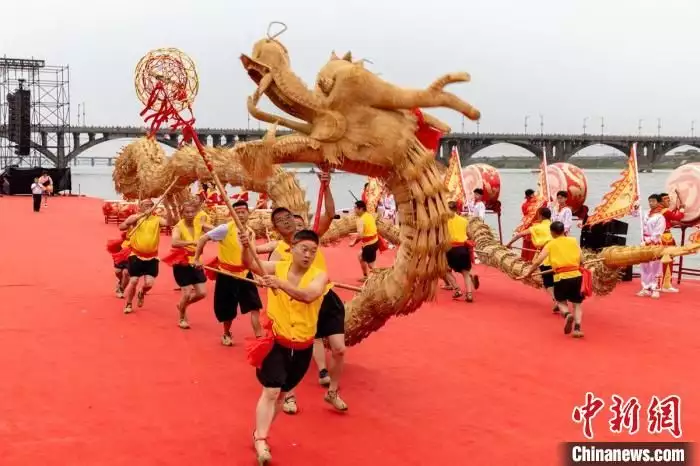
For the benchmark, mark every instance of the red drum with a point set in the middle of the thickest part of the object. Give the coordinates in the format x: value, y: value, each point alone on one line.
x: 126, y: 209
x: 110, y: 209
x: 684, y: 181
x: 486, y: 177
x: 569, y: 178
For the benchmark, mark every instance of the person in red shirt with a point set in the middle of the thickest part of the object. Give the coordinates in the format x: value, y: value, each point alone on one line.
x: 672, y: 217
x: 528, y: 251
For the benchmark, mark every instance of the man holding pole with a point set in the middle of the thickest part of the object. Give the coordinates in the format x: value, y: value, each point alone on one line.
x: 331, y: 319
x: 284, y: 355
x: 144, y: 240
x: 230, y: 293
x: 571, y: 280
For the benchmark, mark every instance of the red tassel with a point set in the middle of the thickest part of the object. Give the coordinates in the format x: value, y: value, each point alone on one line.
x: 383, y: 246
x: 426, y: 134
x: 114, y: 245
x: 257, y: 349
x: 214, y: 264
x: 586, y: 282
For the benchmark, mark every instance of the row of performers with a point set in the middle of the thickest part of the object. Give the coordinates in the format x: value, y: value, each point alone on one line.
x: 302, y: 307
x: 211, y: 197
x: 657, y: 222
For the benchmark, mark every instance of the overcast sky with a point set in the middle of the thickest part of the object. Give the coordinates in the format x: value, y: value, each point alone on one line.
x: 565, y: 59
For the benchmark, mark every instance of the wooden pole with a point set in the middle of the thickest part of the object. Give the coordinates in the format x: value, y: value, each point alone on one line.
x: 155, y: 206
x: 223, y: 272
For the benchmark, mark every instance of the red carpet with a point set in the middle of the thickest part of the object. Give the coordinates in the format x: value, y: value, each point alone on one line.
x: 491, y: 383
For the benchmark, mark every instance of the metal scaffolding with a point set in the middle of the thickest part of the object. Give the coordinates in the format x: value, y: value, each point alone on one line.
x: 49, y: 88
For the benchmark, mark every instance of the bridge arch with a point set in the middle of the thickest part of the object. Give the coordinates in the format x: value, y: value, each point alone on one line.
x: 532, y: 149
x: 624, y: 150
x: 96, y: 141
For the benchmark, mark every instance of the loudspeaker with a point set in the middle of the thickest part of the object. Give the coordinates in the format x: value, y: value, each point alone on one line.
x: 13, y: 117
x: 616, y: 227
x: 25, y: 121
x: 614, y: 240
x: 602, y: 235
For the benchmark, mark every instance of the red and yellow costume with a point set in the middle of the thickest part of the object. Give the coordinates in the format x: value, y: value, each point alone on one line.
x: 671, y: 216
x: 528, y: 251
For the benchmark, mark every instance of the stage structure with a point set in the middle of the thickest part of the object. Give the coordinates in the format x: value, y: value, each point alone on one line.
x: 34, y: 113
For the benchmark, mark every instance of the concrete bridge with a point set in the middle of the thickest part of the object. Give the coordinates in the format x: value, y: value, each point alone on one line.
x: 560, y: 147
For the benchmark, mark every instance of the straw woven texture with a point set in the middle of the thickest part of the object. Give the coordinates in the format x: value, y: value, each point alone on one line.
x: 355, y: 121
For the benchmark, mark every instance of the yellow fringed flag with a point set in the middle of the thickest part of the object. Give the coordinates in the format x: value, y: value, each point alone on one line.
x: 454, y: 180
x: 623, y: 198
x: 542, y: 196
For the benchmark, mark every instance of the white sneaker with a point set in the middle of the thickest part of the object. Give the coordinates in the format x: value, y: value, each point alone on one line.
x: 644, y: 293
x: 655, y: 294
x: 669, y: 290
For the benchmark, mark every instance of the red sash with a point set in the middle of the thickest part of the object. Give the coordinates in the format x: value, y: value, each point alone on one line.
x: 178, y: 256
x: 257, y: 349
x: 367, y: 239
x: 121, y: 256
x: 145, y: 255
x: 215, y: 264
x: 587, y: 277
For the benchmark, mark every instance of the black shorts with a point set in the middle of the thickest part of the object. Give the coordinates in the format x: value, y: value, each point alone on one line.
x: 142, y: 267
x: 547, y: 278
x: 186, y: 275
x: 122, y: 265
x: 459, y: 259
x: 331, y: 316
x: 230, y: 293
x: 369, y: 252
x: 569, y: 289
x: 284, y: 368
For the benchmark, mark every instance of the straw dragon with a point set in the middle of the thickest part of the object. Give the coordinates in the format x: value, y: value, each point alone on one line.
x: 355, y: 121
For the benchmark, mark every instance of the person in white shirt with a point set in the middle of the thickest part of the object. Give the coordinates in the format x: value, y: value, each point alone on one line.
x: 654, y: 225
x: 37, y: 192
x: 389, y: 207
x: 561, y: 212
x: 477, y: 208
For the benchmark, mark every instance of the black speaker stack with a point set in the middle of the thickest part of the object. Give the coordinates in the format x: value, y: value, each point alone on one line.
x: 603, y: 235
x: 19, y: 120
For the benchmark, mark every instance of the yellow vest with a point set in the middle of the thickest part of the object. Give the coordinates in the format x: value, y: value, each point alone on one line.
x: 231, y: 253
x: 202, y: 218
x: 291, y: 319
x: 145, y: 238
x: 564, y: 252
x: 186, y: 235
x: 369, y: 230
x: 541, y: 235
x: 457, y: 229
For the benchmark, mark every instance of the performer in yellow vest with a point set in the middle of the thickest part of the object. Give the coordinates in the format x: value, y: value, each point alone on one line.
x: 190, y: 279
x: 144, y: 240
x: 367, y: 233
x: 294, y: 313
x: 572, y: 282
x: 539, y: 235
x: 230, y: 293
x: 331, y: 320
x: 458, y: 256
